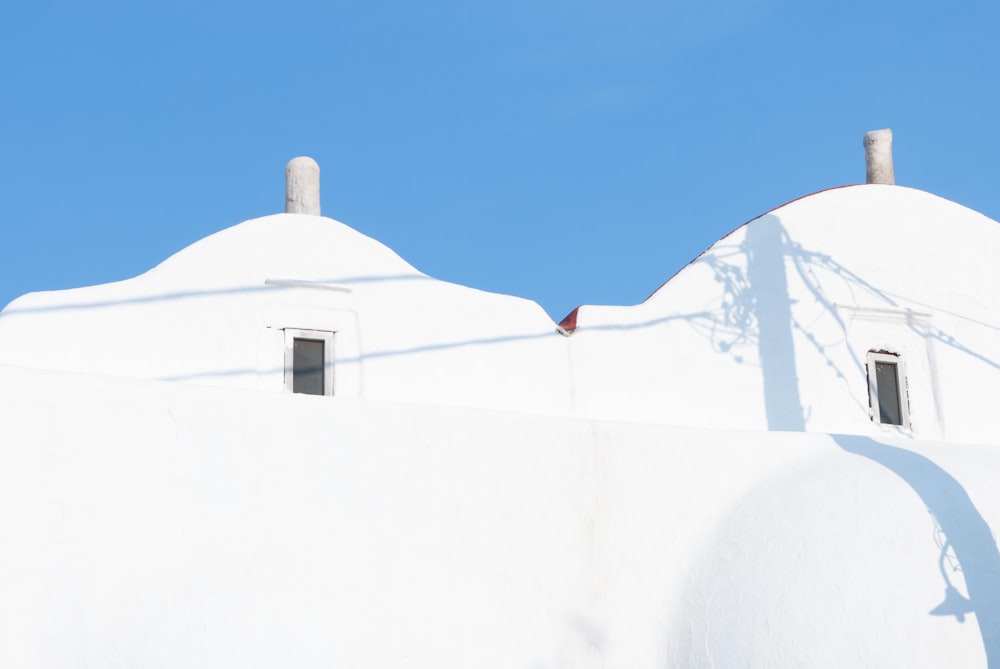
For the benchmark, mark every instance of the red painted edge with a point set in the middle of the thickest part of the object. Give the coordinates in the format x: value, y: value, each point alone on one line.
x: 569, y: 323
x: 772, y: 209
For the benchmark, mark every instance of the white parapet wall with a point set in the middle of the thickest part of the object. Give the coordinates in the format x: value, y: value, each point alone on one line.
x: 163, y: 524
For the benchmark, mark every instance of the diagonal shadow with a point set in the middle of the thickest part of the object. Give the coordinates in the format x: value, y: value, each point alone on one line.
x: 269, y: 285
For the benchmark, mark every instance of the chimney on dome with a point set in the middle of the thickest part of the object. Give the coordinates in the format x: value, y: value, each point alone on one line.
x: 878, y: 157
x: 302, y: 186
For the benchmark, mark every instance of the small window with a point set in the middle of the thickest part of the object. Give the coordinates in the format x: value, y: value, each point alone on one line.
x: 309, y: 362
x: 887, y: 390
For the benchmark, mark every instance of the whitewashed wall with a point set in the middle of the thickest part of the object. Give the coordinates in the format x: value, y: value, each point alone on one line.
x: 769, y: 329
x: 213, y: 314
x: 163, y: 524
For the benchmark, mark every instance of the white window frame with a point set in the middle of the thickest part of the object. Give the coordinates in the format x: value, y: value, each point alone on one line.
x: 291, y: 334
x: 901, y: 382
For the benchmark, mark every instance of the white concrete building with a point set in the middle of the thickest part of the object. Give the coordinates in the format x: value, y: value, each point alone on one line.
x: 780, y: 458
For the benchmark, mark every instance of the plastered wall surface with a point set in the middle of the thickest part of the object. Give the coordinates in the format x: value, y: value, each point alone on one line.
x: 692, y: 481
x: 163, y: 524
x: 768, y: 329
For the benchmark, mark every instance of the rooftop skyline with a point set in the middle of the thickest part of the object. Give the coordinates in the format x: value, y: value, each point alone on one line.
x: 567, y: 153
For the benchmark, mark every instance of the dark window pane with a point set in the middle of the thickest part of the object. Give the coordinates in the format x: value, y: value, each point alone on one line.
x: 307, y: 366
x: 887, y: 383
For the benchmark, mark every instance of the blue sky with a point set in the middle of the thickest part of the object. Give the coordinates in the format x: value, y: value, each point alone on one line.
x: 568, y: 152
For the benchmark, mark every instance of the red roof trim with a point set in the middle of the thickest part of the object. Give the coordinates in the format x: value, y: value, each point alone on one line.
x: 801, y: 197
x: 569, y: 323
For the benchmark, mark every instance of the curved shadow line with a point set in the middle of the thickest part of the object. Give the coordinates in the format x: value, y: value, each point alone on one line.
x: 965, y: 528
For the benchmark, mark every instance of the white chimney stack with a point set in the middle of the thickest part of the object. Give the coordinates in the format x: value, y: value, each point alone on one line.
x: 878, y: 157
x: 302, y: 186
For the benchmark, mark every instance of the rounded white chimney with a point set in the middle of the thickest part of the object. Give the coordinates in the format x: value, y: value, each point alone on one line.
x: 302, y: 186
x: 878, y: 157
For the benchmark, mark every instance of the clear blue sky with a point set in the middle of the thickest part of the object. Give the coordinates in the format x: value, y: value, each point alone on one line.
x: 568, y: 152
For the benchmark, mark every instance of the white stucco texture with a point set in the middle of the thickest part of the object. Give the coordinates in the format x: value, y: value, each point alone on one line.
x: 768, y: 329
x: 214, y: 314
x: 771, y: 326
x: 160, y: 524
x: 694, y: 481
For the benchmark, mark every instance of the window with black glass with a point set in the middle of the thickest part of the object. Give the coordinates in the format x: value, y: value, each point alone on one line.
x: 887, y: 390
x: 308, y: 366
x: 309, y: 362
